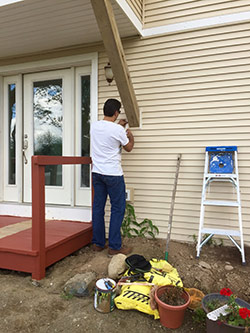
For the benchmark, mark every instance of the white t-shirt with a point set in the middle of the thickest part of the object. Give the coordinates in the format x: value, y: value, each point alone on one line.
x: 106, y: 139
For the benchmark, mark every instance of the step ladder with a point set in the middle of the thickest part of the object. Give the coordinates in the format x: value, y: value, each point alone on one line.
x: 220, y: 166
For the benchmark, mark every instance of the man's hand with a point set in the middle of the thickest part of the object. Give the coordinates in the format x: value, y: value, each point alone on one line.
x: 122, y: 122
x: 129, y: 133
x: 130, y: 145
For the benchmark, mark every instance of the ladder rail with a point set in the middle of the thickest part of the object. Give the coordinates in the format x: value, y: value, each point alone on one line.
x: 239, y: 210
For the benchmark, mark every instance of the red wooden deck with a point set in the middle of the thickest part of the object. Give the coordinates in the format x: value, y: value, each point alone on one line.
x: 61, y: 239
x: 41, y: 243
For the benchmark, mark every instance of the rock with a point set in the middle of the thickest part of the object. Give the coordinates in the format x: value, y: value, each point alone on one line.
x: 36, y: 283
x: 229, y: 268
x: 204, y: 265
x: 117, y: 266
x: 80, y: 285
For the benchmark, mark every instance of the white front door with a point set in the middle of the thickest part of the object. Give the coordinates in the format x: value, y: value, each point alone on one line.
x: 47, y: 130
x: 48, y: 113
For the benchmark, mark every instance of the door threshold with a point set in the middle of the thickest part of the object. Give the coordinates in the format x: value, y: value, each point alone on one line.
x: 56, y: 212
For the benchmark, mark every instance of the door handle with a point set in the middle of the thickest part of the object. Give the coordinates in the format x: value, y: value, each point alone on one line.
x: 25, y: 147
x: 24, y: 156
x: 25, y: 144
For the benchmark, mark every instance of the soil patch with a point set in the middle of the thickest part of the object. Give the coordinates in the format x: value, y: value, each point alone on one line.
x: 173, y: 296
x: 27, y: 306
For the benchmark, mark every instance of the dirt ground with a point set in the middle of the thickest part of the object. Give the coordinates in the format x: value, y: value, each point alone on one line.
x: 38, y: 308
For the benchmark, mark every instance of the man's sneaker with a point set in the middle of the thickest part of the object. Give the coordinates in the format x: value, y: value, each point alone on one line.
x: 98, y: 248
x: 124, y: 250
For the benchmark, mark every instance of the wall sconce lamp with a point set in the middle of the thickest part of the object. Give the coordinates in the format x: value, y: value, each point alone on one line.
x: 108, y: 73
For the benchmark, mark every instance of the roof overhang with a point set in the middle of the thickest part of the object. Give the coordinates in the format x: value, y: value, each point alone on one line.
x: 33, y: 26
x: 111, y: 39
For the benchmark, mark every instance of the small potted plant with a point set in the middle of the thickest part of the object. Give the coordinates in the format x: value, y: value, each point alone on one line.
x: 172, y: 302
x: 235, y: 317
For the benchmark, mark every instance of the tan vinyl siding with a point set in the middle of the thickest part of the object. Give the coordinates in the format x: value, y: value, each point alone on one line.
x: 137, y: 7
x: 163, y: 12
x: 193, y: 90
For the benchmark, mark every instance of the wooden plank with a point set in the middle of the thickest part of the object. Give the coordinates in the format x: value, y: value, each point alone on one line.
x: 17, y: 262
x: 106, y: 21
x: 56, y: 160
x: 38, y: 218
x: 62, y: 239
x: 6, y: 220
x: 68, y: 246
x: 14, y: 228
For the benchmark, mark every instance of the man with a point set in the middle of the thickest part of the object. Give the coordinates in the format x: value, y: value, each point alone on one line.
x: 107, y: 140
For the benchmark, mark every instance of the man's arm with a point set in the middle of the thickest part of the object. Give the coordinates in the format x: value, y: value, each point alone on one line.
x: 129, y: 146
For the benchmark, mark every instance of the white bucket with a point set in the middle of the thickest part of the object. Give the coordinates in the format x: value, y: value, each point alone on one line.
x: 104, y: 295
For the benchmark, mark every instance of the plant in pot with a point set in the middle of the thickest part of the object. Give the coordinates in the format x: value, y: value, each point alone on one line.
x: 226, y: 313
x: 172, y: 302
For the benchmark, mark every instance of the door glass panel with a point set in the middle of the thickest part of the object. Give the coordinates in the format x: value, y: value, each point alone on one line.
x: 85, y: 126
x: 48, y: 121
x: 12, y: 133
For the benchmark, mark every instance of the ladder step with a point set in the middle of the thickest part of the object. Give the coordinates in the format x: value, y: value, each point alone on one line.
x: 221, y: 203
x: 220, y: 232
x: 220, y: 175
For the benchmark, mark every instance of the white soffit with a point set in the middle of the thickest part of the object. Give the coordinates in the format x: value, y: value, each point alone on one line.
x: 130, y: 14
x: 8, y: 2
x: 32, y: 26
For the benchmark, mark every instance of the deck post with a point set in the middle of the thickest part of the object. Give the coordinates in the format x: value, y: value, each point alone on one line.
x: 38, y: 218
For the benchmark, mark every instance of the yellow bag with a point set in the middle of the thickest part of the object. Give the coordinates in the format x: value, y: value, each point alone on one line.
x: 160, y: 277
x: 138, y: 297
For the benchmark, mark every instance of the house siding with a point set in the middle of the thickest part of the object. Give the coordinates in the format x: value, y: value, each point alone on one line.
x: 162, y: 12
x: 138, y: 8
x: 193, y: 91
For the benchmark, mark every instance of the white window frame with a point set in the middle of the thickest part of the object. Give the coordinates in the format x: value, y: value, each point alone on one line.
x: 81, y: 193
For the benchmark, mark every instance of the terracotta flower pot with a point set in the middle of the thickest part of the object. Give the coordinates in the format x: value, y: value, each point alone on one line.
x: 217, y: 326
x: 171, y: 316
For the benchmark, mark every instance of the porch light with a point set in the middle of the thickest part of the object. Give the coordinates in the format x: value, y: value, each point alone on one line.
x: 108, y: 73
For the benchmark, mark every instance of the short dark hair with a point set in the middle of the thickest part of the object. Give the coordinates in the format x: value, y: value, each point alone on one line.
x: 111, y: 106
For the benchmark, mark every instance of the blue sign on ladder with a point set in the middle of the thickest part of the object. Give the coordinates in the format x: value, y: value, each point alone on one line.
x: 221, y: 159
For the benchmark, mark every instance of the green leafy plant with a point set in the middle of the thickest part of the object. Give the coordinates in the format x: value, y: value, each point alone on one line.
x: 66, y: 296
x: 199, y: 316
x: 215, y: 304
x: 131, y: 228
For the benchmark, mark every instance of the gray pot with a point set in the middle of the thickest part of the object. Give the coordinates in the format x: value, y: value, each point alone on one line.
x: 216, y: 326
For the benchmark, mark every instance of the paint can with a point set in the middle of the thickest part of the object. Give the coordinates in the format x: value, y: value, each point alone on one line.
x: 105, y: 293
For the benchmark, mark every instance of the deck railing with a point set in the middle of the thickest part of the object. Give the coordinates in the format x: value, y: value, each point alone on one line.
x: 38, y: 202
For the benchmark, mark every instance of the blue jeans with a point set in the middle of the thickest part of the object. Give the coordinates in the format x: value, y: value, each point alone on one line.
x: 113, y: 186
